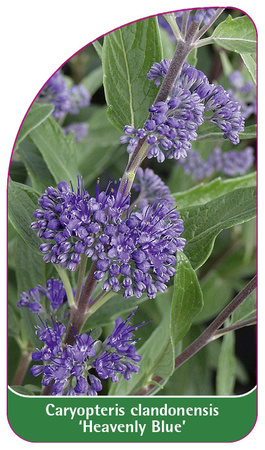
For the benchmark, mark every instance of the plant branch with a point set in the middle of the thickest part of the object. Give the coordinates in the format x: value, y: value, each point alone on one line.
x: 78, y: 314
x: 207, y: 335
x: 235, y: 326
x: 203, y: 29
x: 183, y: 49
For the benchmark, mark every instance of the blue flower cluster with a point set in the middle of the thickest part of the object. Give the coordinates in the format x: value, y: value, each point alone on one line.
x: 173, y: 123
x: 134, y: 249
x: 243, y: 92
x: 67, y: 367
x: 66, y: 101
x: 54, y: 291
x: 229, y: 163
x: 149, y: 188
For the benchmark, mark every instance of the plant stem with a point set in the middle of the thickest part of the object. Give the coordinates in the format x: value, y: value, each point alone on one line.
x: 78, y: 314
x: 235, y: 326
x: 203, y: 29
x: 100, y: 300
x: 184, y: 47
x: 207, y: 335
x: 22, y: 368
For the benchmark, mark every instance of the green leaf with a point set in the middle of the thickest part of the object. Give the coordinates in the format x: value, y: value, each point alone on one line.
x: 22, y: 390
x: 22, y: 202
x: 203, y: 223
x: 58, y: 151
x: 99, y: 147
x: 187, y: 299
x: 226, y: 368
x: 247, y: 310
x: 93, y: 80
x: 194, y: 377
x: 13, y: 320
x: 36, y: 115
x: 98, y: 47
x: 251, y: 64
x: 237, y: 35
x: 205, y: 192
x: 221, y: 282
x: 38, y: 171
x: 128, y: 54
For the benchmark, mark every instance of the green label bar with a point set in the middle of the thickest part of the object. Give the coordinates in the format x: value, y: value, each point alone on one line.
x: 132, y: 419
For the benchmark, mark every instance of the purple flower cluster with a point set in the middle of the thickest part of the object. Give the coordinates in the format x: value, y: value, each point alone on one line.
x: 149, y: 188
x: 134, y: 250
x: 54, y: 291
x: 68, y: 366
x: 228, y: 163
x: 244, y: 93
x: 173, y: 123
x: 79, y: 98
x: 233, y: 163
x: 56, y: 93
x: 66, y: 101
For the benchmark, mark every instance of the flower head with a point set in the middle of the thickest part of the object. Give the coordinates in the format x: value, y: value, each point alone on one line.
x: 173, y: 123
x: 79, y: 98
x: 229, y: 163
x: 68, y: 366
x: 243, y: 92
x: 71, y: 222
x: 140, y: 256
x: 56, y: 92
x: 54, y: 291
x: 134, y: 249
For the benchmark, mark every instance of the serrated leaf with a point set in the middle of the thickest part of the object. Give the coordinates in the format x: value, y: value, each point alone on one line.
x: 36, y: 115
x: 22, y: 202
x: 205, y: 192
x: 58, y: 151
x: 128, y: 54
x: 187, y: 299
x: 203, y: 223
x: 237, y: 35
